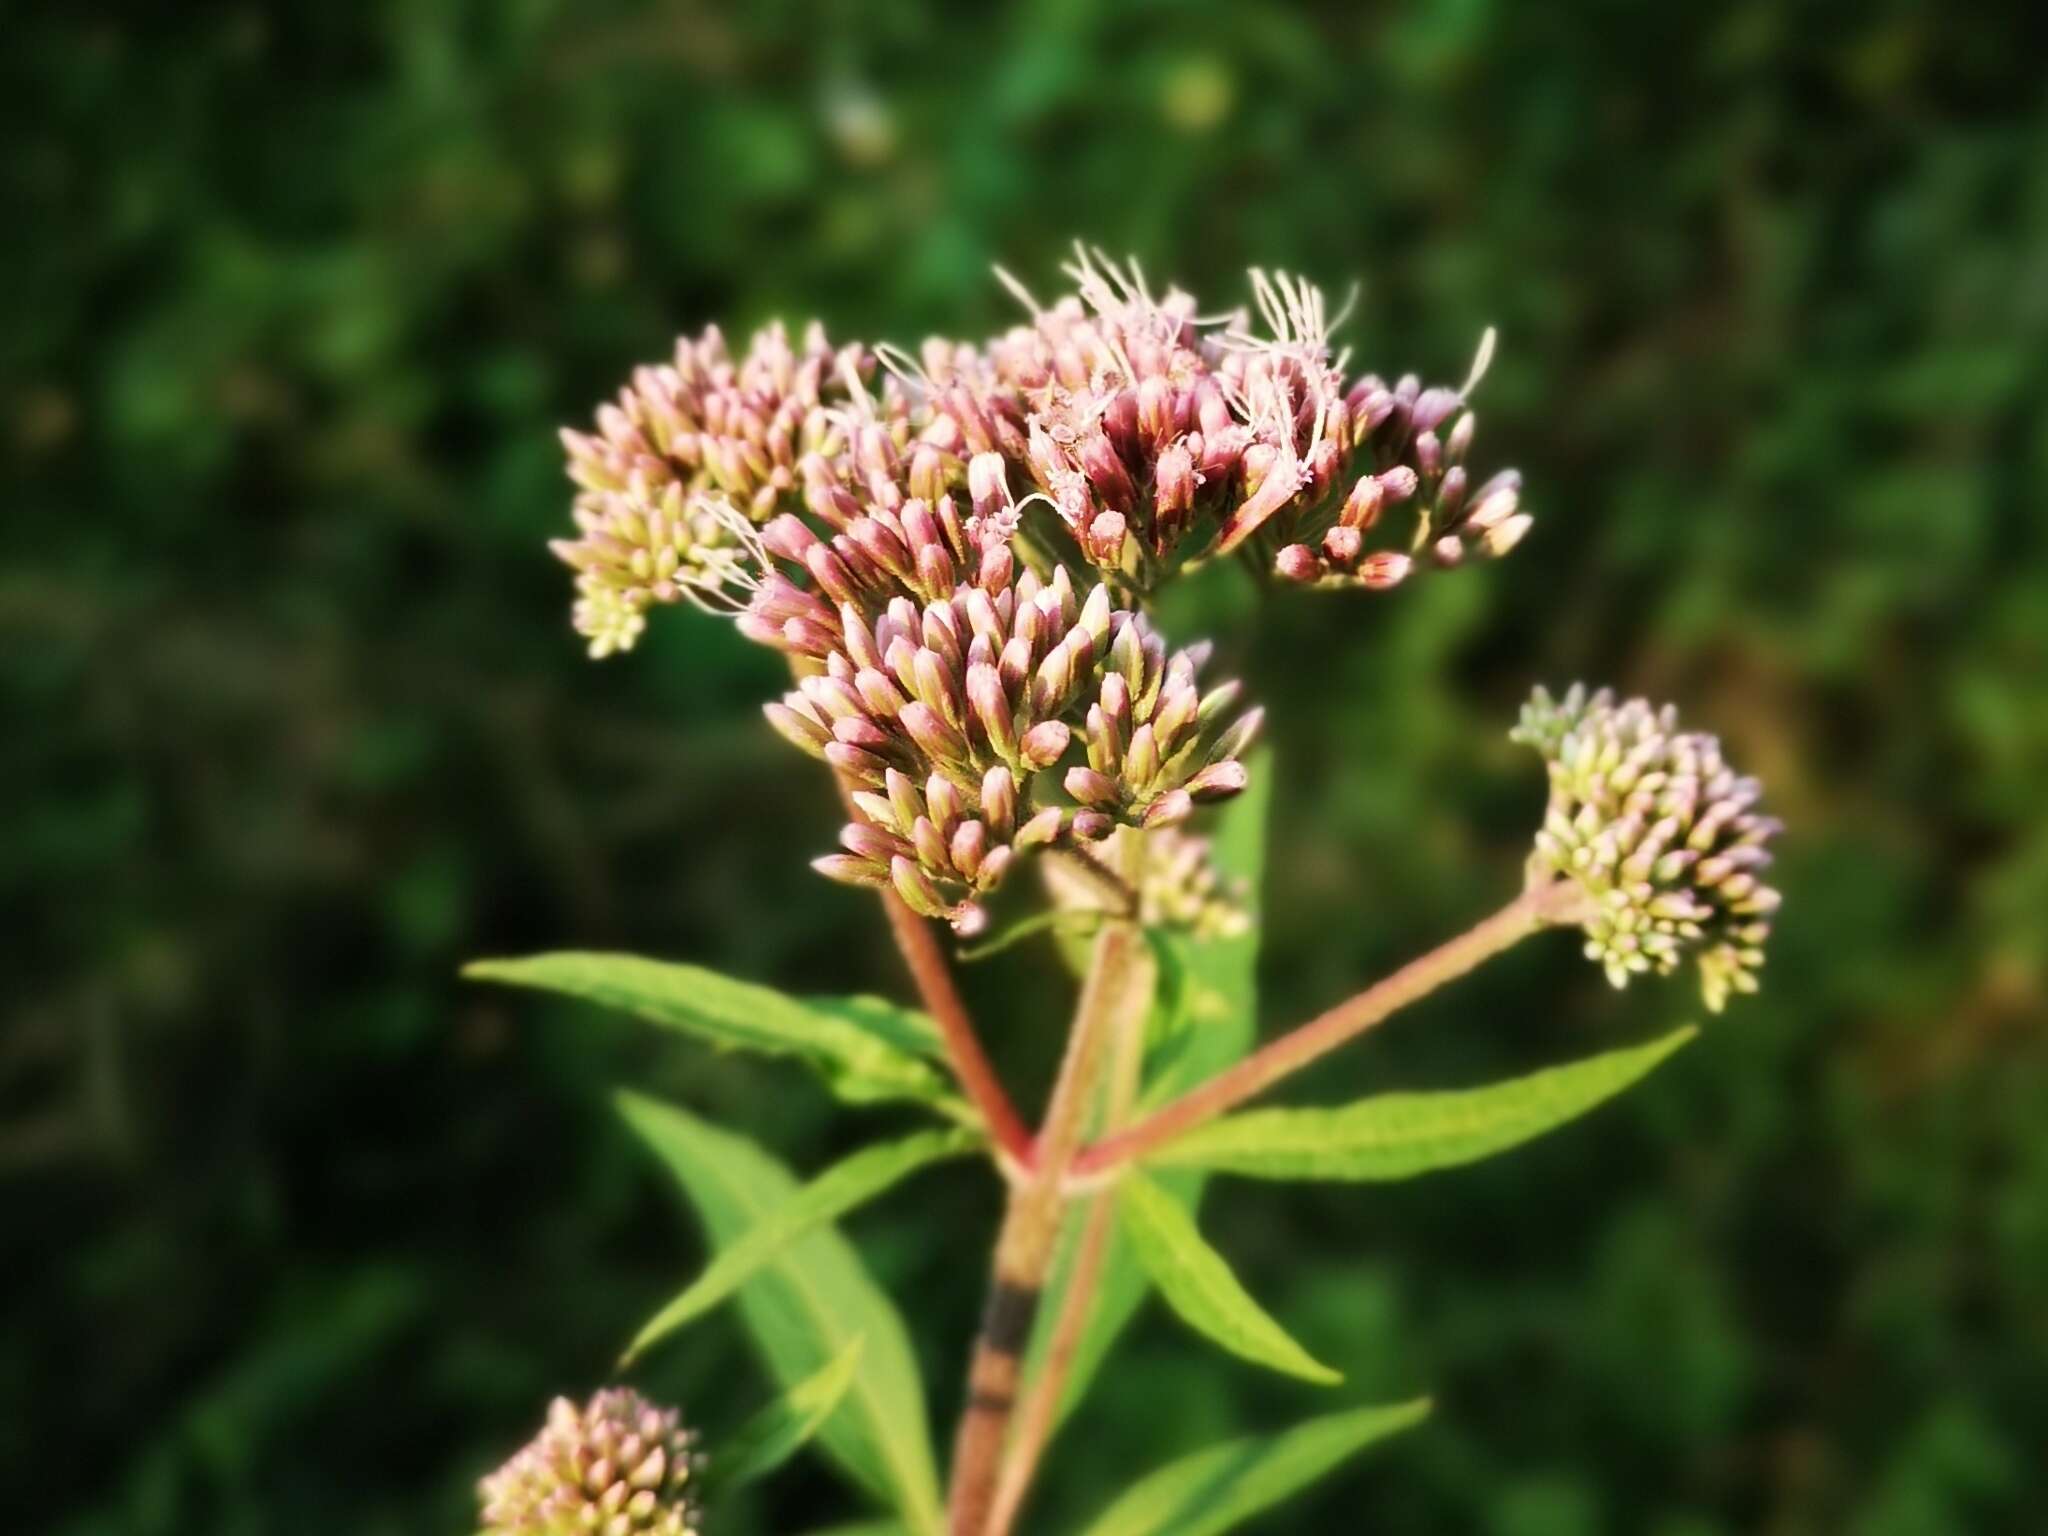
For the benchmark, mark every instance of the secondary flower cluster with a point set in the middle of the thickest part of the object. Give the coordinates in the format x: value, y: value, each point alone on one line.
x: 691, y: 439
x: 617, y: 1466
x: 1661, y: 836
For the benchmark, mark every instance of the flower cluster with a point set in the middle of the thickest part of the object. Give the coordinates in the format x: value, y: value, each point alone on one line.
x: 859, y: 509
x: 1661, y: 837
x: 618, y: 1466
x: 946, y: 717
x: 698, y: 437
x: 1158, y: 437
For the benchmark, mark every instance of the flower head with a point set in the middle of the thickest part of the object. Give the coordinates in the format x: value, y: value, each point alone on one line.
x: 1158, y: 436
x: 694, y: 449
x: 947, y: 717
x: 1661, y: 838
x: 617, y: 1465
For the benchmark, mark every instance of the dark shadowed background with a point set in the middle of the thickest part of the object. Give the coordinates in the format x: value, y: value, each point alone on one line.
x: 299, y: 1232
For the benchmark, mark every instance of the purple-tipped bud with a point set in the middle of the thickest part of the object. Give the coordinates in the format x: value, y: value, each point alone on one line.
x: 789, y: 538
x: 1343, y: 546
x: 929, y: 844
x: 1092, y: 788
x: 860, y: 731
x: 1044, y: 744
x: 991, y: 710
x: 944, y: 802
x: 1384, y: 570
x: 988, y: 490
x: 1093, y: 826
x: 848, y: 869
x: 1362, y: 506
x: 1173, y: 480
x: 1104, y: 540
x: 927, y: 472
x: 999, y: 801
x: 1041, y: 829
x: 938, y: 740
x: 1106, y: 473
x: 917, y: 891
x: 799, y: 729
x: 862, y: 767
x: 1298, y: 563
x: 969, y: 847
x: 872, y: 843
x: 1219, y: 781
x: 1169, y: 809
x: 1434, y: 407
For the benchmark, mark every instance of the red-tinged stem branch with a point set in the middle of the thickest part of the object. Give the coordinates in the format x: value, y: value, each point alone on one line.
x: 942, y: 1000
x: 1351, y: 1018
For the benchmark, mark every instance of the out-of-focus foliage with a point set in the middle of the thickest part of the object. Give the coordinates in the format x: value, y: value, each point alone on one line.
x: 301, y: 1232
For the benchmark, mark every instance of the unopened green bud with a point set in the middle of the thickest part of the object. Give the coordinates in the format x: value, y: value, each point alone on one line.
x: 1660, y: 836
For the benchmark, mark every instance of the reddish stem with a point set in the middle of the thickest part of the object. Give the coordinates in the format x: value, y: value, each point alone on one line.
x: 942, y: 1000
x: 1323, y: 1034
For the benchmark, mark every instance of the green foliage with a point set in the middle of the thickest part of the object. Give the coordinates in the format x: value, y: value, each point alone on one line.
x: 1198, y: 1284
x: 1400, y: 1135
x: 864, y: 1048
x: 806, y: 1306
x: 783, y: 1428
x: 1218, y: 1489
x: 852, y: 1182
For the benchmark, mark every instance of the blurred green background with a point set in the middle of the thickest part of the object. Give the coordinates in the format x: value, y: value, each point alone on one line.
x: 299, y: 1232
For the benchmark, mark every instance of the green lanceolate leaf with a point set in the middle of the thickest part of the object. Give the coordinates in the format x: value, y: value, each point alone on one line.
x: 1198, y: 1283
x: 847, y: 1184
x: 1400, y: 1135
x: 783, y: 1428
x: 1214, y: 997
x: 806, y: 1305
x: 1218, y: 1489
x: 866, y: 1049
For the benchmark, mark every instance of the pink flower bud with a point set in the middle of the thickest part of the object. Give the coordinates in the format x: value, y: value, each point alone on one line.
x: 1343, y: 546
x: 1384, y: 570
x: 1044, y: 744
x: 847, y: 869
x: 987, y: 489
x: 1092, y: 788
x: 1297, y: 562
x: 1040, y: 829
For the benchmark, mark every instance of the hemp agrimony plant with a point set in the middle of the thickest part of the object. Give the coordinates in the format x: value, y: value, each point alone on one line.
x: 955, y: 551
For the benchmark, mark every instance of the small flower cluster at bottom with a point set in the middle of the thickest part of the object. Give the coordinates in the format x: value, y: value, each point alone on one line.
x: 1660, y: 835
x: 618, y: 1466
